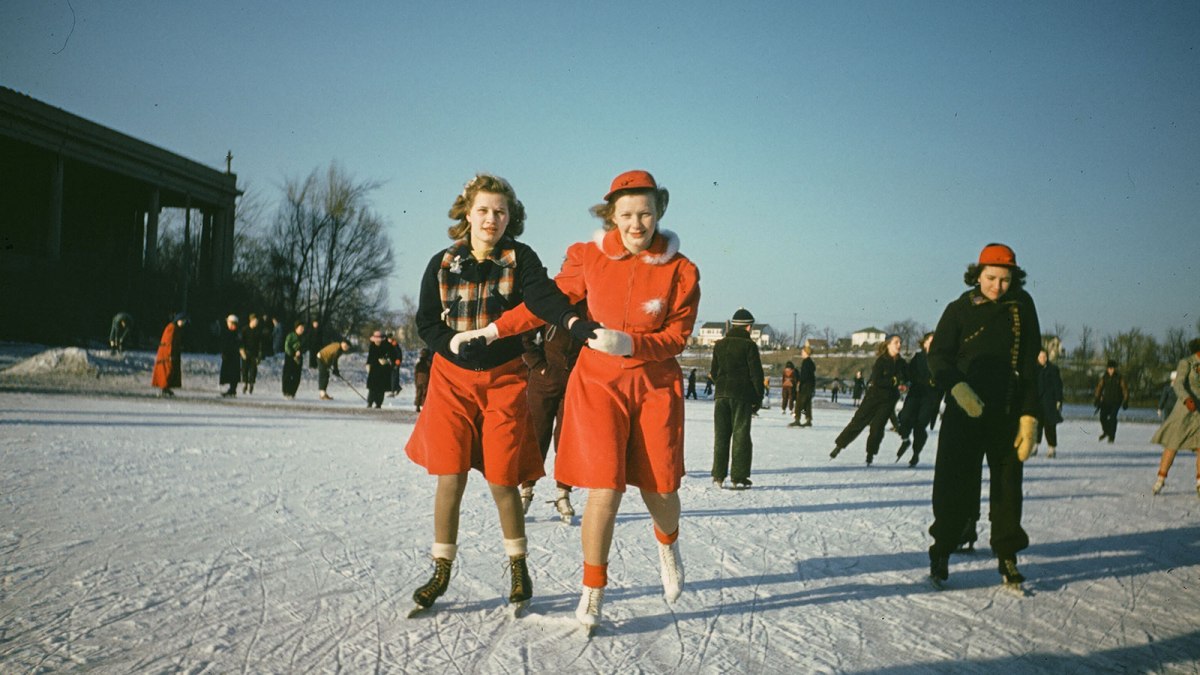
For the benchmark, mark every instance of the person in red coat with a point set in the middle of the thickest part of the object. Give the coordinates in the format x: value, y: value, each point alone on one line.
x: 168, y: 373
x: 623, y: 412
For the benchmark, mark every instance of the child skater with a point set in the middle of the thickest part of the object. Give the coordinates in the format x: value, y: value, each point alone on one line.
x: 476, y: 412
x: 880, y: 402
x: 623, y: 415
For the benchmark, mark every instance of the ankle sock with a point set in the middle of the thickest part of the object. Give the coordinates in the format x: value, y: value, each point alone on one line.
x: 447, y: 551
x: 595, y: 576
x: 667, y: 539
x: 515, y: 548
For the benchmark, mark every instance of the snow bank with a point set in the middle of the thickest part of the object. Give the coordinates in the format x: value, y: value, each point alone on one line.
x: 64, y: 361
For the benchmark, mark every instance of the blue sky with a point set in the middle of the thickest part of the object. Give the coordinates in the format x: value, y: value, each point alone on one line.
x: 840, y: 162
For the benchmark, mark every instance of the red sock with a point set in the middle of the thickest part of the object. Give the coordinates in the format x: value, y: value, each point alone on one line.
x: 595, y: 576
x: 667, y: 539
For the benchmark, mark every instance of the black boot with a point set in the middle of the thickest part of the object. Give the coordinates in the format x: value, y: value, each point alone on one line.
x: 1009, y: 571
x: 903, y: 447
x: 966, y: 542
x: 522, y: 585
x: 433, y: 589
x: 939, y: 566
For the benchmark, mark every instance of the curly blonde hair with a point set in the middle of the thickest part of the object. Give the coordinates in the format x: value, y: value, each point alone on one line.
x: 486, y: 182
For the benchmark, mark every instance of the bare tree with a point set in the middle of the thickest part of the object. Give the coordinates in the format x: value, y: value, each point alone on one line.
x: 329, y: 253
x: 908, y: 330
x: 803, y: 330
x: 830, y: 336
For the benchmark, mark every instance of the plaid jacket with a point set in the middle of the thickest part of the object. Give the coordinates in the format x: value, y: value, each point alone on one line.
x: 475, y: 293
x: 459, y: 293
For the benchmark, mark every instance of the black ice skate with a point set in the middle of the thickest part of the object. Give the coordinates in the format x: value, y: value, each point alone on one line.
x: 522, y: 586
x: 434, y: 588
x: 939, y: 569
x: 903, y: 447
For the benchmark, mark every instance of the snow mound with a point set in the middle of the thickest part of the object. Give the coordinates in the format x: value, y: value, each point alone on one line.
x: 66, y: 361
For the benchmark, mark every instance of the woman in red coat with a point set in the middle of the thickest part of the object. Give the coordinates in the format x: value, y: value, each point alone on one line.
x: 167, y: 371
x: 623, y: 413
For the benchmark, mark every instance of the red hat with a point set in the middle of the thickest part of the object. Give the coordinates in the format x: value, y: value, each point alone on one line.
x: 997, y: 254
x: 632, y: 180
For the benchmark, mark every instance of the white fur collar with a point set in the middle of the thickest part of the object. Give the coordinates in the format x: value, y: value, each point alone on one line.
x: 657, y: 254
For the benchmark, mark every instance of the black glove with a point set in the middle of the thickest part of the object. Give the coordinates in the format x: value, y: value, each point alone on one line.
x: 471, y: 351
x: 584, y: 330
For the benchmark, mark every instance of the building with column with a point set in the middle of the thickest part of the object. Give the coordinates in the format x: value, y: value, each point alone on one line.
x: 80, y: 208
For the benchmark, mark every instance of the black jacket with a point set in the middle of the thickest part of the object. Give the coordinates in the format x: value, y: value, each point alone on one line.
x: 808, y: 374
x: 737, y: 368
x: 993, y: 347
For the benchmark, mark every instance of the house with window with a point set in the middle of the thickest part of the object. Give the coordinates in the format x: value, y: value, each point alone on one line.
x: 710, y: 331
x: 867, y: 336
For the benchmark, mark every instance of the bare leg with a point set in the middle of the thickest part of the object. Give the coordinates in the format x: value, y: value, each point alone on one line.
x: 599, y: 519
x: 664, y: 510
x: 446, y: 503
x: 1168, y: 457
x: 512, y: 515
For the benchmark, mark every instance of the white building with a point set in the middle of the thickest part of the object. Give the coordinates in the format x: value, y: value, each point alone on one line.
x: 709, y: 332
x: 867, y: 336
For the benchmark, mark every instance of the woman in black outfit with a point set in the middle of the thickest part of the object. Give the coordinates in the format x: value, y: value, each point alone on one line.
x: 984, y: 355
x: 880, y: 401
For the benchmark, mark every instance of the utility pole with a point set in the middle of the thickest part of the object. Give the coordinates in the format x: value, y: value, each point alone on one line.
x: 793, y: 329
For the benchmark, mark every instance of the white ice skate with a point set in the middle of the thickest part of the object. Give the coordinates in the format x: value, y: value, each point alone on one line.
x: 672, y: 570
x: 1158, y: 486
x: 562, y: 503
x: 526, y: 498
x: 588, y: 611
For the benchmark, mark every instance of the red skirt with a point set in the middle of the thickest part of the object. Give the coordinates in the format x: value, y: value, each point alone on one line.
x: 477, y: 420
x: 622, y: 425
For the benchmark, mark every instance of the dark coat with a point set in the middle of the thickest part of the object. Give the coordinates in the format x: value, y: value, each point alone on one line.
x: 167, y: 371
x: 1050, y: 391
x: 993, y: 347
x: 737, y: 368
x: 231, y: 356
x: 808, y: 374
x: 886, y: 377
x: 1111, y: 390
x: 379, y: 366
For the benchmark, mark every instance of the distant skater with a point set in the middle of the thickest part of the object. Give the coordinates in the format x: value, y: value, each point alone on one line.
x: 168, y: 370
x: 1181, y: 430
x: 878, y: 405
x: 857, y: 389
x: 737, y: 370
x: 1112, y: 394
x: 1050, y: 393
x: 920, y: 404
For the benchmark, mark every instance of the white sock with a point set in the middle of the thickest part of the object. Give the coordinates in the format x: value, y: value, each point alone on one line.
x: 515, y: 548
x: 447, y: 551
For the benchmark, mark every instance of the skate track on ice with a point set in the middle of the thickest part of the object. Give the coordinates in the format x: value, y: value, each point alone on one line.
x: 187, y: 535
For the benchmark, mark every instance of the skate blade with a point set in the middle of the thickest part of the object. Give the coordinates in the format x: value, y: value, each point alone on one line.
x: 1018, y: 589
x: 418, y: 611
x: 936, y: 583
x: 589, y: 629
x: 518, y: 609
x: 566, y: 520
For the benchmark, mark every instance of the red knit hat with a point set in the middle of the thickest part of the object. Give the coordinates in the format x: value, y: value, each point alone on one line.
x: 997, y: 254
x: 632, y: 180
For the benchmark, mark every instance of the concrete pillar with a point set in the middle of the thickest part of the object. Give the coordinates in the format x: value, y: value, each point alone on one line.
x: 54, y: 229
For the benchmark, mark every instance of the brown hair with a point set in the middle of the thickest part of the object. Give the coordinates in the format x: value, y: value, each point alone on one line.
x: 486, y: 182
x: 604, y: 211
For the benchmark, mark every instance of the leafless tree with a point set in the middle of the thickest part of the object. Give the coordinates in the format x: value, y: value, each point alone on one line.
x: 329, y: 253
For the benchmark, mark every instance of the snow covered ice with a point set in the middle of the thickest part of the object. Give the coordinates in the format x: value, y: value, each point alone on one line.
x: 261, y: 535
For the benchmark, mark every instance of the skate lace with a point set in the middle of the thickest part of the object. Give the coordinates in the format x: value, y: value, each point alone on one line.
x: 563, y: 505
x: 425, y: 595
x: 594, y: 597
x: 521, y: 585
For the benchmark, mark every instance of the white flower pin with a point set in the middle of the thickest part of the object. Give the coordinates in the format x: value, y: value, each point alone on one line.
x: 653, y: 307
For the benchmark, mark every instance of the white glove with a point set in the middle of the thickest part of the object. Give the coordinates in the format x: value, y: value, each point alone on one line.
x: 1025, y: 437
x: 615, y: 342
x: 488, y: 332
x: 967, y: 399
